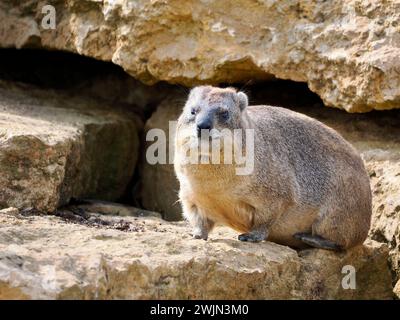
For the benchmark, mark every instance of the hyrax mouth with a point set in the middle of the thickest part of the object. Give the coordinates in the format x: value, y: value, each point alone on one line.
x: 209, y: 134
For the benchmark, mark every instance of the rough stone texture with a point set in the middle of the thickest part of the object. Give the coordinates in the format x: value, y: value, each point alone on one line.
x: 158, y: 190
x: 45, y: 257
x: 385, y: 178
x: 347, y: 51
x: 396, y: 290
x: 54, y: 146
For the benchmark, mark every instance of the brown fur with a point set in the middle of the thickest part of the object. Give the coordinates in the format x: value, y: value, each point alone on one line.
x: 306, y: 179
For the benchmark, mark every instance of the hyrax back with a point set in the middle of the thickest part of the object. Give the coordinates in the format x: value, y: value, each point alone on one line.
x: 308, y: 186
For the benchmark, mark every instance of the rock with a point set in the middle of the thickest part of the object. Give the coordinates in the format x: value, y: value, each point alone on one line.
x: 115, y: 209
x: 347, y: 51
x: 396, y: 290
x: 55, y: 146
x: 385, y: 179
x: 10, y: 211
x: 44, y: 257
x: 159, y: 186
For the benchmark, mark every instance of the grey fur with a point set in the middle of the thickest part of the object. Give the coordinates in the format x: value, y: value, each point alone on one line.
x: 306, y: 179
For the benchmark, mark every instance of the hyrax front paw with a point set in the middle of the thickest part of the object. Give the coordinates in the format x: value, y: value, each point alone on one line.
x: 254, y: 236
x: 200, y: 234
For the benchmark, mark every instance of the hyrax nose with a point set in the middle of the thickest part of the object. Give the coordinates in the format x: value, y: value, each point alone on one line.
x: 204, y: 124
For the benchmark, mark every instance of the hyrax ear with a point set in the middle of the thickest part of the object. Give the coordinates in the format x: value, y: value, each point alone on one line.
x: 243, y: 100
x: 193, y: 91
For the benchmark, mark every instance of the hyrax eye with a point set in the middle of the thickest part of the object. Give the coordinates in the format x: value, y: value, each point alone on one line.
x: 193, y: 111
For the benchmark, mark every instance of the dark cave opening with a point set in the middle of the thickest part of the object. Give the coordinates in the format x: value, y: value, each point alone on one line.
x: 53, y: 69
x: 80, y: 75
x: 65, y: 70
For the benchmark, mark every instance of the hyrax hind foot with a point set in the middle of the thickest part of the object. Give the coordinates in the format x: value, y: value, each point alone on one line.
x: 317, y: 241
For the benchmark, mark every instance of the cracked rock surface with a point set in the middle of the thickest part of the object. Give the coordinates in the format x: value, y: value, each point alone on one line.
x: 48, y: 257
x: 346, y: 51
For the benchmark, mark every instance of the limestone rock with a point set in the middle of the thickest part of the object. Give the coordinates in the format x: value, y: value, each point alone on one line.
x: 158, y: 184
x: 347, y: 51
x: 385, y: 179
x: 55, y: 146
x: 44, y: 257
x: 396, y: 290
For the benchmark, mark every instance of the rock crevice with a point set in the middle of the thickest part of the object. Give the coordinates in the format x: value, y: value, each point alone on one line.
x: 50, y: 144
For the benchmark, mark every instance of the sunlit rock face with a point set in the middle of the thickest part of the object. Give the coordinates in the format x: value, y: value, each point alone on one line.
x: 155, y: 259
x: 347, y: 51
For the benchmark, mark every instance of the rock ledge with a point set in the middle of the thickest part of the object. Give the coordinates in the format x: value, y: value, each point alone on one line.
x: 45, y: 257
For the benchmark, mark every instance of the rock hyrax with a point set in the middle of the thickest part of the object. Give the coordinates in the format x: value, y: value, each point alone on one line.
x: 309, y: 186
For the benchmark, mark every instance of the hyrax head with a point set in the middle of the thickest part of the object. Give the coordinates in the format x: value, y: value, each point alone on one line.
x: 210, y: 108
